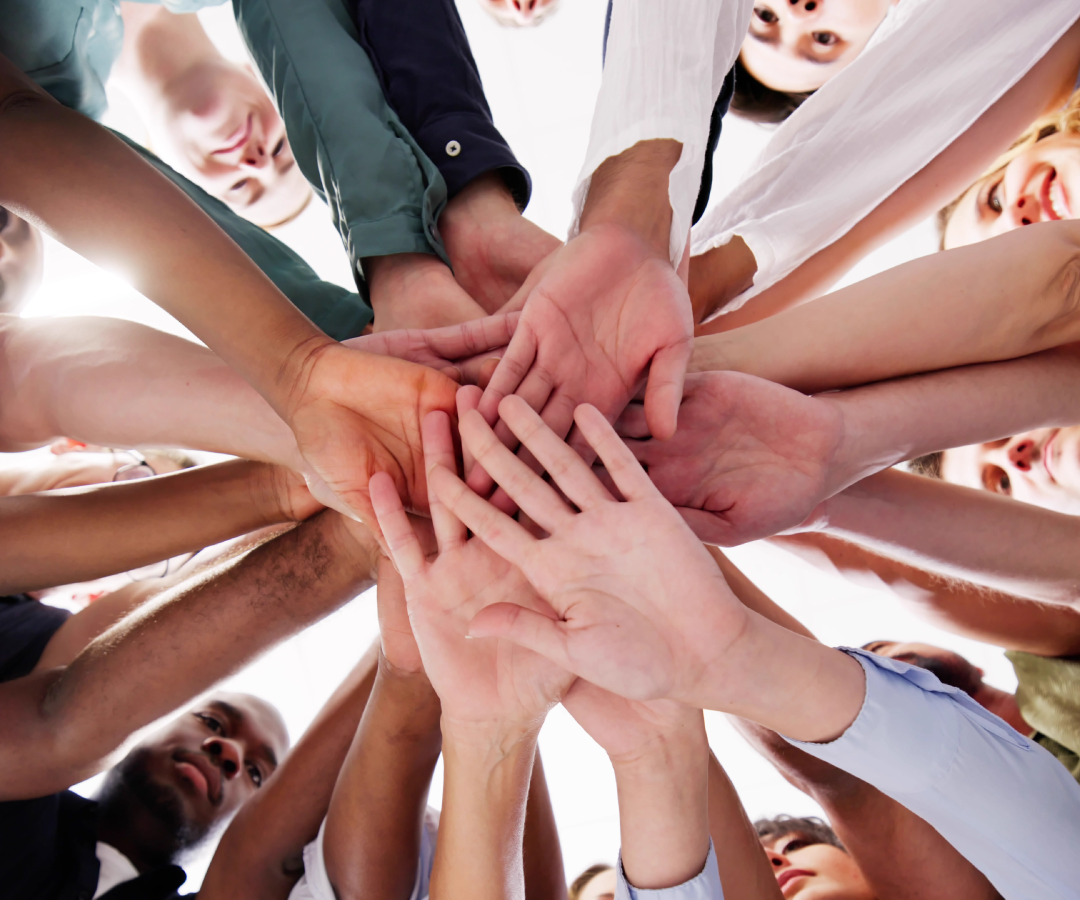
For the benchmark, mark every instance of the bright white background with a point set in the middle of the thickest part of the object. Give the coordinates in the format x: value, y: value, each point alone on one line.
x: 541, y: 84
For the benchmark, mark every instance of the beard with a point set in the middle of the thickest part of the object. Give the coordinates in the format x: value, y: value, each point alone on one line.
x: 131, y: 783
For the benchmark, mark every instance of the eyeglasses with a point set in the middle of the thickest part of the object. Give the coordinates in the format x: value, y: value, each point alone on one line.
x: 135, y: 467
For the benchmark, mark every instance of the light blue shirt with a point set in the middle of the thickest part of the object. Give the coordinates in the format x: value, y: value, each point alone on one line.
x: 1001, y: 800
x: 703, y: 886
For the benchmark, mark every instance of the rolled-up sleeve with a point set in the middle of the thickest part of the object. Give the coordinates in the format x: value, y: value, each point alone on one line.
x: 929, y: 72
x: 1001, y: 800
x: 664, y: 69
x: 703, y: 886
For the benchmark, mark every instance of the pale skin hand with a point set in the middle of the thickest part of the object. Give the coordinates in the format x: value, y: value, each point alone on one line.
x: 750, y: 458
x: 642, y: 610
x: 606, y: 312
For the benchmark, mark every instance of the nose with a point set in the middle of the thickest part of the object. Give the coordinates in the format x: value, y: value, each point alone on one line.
x: 255, y: 155
x: 526, y: 9
x: 778, y: 860
x: 1026, y: 210
x: 1023, y: 452
x: 804, y: 7
x: 229, y: 755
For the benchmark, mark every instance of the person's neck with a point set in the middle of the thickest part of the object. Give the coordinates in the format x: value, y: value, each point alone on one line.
x: 161, y: 50
x: 129, y: 827
x: 1003, y: 705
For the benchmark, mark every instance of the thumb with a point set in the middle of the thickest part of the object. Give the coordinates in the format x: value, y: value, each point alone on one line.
x: 664, y: 391
x: 524, y: 627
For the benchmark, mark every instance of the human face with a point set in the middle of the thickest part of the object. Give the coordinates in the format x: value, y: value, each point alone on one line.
x: 222, y: 131
x: 812, y: 871
x: 950, y: 668
x: 21, y: 261
x: 1041, y: 184
x: 798, y: 45
x: 600, y: 887
x: 198, y: 770
x: 1040, y: 467
x: 519, y: 12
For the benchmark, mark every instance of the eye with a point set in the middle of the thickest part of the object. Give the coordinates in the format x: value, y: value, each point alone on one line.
x: 278, y: 147
x: 996, y: 480
x: 210, y: 722
x: 825, y: 38
x: 796, y: 844
x: 766, y: 15
x: 993, y: 197
x: 240, y: 184
x: 255, y: 775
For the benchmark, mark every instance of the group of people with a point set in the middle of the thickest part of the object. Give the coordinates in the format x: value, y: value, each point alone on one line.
x: 535, y: 447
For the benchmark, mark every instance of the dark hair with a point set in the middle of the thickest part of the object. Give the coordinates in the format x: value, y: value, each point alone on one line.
x: 928, y: 465
x: 952, y: 670
x: 760, y: 103
x: 806, y: 826
x: 578, y: 884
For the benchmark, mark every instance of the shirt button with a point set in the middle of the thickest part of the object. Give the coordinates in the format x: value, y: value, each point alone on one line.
x: 453, y: 148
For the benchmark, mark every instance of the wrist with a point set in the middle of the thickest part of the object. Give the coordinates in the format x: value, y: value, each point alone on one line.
x: 491, y: 743
x: 404, y: 678
x: 864, y: 446
x: 719, y: 275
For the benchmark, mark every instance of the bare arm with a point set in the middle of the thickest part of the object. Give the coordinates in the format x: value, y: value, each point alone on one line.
x: 260, y: 855
x: 545, y: 877
x: 176, y: 646
x: 105, y: 529
x: 962, y: 607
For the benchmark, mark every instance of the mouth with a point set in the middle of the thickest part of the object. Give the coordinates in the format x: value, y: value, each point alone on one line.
x: 1047, y: 452
x: 790, y: 875
x: 1055, y: 201
x: 200, y: 773
x: 238, y: 138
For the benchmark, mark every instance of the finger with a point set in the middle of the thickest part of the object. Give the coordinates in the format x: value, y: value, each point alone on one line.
x: 468, y: 397
x: 664, y: 392
x: 606, y: 480
x: 401, y: 540
x: 479, y: 369
x: 526, y: 628
x: 521, y: 484
x: 473, y: 337
x: 453, y: 373
x: 496, y: 529
x: 566, y: 468
x: 624, y: 469
x: 631, y: 423
x: 438, y: 444
x: 511, y: 371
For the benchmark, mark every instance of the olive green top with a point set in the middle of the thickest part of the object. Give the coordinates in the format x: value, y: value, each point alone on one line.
x: 1049, y: 699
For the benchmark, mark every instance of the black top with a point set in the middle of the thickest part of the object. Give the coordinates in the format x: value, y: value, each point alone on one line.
x: 48, y: 845
x: 427, y: 72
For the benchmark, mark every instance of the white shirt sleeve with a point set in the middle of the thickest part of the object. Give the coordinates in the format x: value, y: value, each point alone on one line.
x: 1001, y: 800
x: 703, y: 886
x: 666, y: 62
x: 931, y: 69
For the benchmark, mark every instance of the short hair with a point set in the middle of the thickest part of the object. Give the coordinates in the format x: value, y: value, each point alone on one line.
x: 806, y: 826
x: 1066, y: 119
x: 578, y: 884
x: 760, y: 103
x: 928, y: 465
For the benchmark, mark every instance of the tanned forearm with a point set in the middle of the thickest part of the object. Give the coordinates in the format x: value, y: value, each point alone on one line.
x: 110, y: 528
x: 374, y: 823
x: 176, y: 646
x: 260, y: 856
x: 545, y: 877
x: 1011, y: 296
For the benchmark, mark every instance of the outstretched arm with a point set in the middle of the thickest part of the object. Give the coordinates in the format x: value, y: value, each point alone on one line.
x: 173, y: 648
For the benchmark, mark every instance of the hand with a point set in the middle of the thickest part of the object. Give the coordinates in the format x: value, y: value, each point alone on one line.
x: 750, y: 459
x: 355, y: 414
x: 600, y: 314
x: 399, y: 648
x: 480, y: 682
x: 492, y: 246
x: 642, y: 609
x: 416, y: 290
x: 291, y: 494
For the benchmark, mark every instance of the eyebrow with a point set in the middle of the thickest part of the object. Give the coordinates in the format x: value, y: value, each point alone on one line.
x: 236, y: 719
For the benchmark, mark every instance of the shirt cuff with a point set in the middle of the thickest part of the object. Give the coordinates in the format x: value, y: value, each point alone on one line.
x: 464, y: 147
x: 703, y: 886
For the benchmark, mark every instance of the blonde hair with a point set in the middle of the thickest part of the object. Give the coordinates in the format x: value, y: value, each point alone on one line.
x: 1064, y: 120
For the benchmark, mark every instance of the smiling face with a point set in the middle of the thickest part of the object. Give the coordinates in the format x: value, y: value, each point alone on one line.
x: 1040, y: 184
x: 221, y: 130
x: 798, y: 45
x: 814, y: 871
x: 21, y: 261
x: 199, y: 769
x: 1040, y: 467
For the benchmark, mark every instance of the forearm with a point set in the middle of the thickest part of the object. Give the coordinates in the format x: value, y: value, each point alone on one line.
x: 1007, y: 297
x: 664, y: 807
x: 113, y: 528
x: 483, y: 814
x: 964, y: 608
x: 120, y: 384
x: 545, y: 878
x: 114, y: 209
x: 173, y: 648
x: 261, y: 853
x: 374, y: 822
x: 964, y: 533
